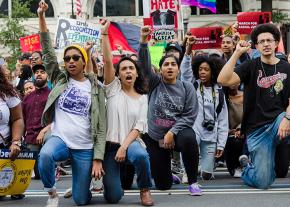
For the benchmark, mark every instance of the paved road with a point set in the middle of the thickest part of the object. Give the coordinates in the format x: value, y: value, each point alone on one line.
x: 222, y: 192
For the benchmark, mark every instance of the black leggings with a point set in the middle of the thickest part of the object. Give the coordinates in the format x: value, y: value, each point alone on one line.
x: 160, y: 158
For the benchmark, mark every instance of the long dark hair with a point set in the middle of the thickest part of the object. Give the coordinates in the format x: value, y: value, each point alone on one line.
x: 6, y: 88
x: 140, y: 83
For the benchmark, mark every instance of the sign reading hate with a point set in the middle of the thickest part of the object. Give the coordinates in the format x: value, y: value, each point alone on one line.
x: 164, y: 19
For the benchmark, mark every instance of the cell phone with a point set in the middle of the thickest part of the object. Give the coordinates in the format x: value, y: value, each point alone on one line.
x: 161, y: 143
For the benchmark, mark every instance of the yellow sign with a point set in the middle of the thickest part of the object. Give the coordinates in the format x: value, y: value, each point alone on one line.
x: 15, y: 176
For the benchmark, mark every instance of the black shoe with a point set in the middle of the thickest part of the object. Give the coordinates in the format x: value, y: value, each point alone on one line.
x: 17, y: 196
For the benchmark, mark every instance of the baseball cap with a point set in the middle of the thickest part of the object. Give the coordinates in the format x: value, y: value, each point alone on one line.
x: 174, y: 46
x: 37, y: 67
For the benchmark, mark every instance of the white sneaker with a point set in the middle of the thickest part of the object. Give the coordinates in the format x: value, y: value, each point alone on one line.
x: 238, y: 173
x: 52, y: 201
x: 68, y: 193
x: 184, y: 178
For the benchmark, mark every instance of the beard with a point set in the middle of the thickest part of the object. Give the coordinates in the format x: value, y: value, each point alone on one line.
x: 40, y: 83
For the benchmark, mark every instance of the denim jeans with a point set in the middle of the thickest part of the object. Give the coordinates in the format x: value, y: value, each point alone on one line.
x: 262, y: 147
x: 207, y: 156
x: 55, y: 150
x: 136, y: 155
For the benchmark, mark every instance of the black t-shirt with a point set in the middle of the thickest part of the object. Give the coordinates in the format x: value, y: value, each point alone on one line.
x: 266, y: 92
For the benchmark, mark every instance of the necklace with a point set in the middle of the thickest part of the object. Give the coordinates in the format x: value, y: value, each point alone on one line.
x: 271, y: 88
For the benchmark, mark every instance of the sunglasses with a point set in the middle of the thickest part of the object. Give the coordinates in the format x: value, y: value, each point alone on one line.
x: 33, y: 59
x: 74, y: 57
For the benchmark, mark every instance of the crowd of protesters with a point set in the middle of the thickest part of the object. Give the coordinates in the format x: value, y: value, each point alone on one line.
x: 112, y: 121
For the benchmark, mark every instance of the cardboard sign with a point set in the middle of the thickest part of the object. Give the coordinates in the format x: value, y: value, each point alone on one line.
x: 249, y: 20
x: 15, y: 176
x: 164, y: 19
x: 30, y: 43
x: 71, y: 31
x: 207, y: 37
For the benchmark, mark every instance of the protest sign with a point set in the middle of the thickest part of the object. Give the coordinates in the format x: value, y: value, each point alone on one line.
x: 207, y: 37
x: 249, y: 20
x: 164, y: 19
x: 156, y: 53
x: 15, y: 176
x: 71, y: 31
x: 30, y: 43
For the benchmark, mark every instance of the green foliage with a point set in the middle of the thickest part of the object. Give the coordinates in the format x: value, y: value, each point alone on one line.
x: 12, y: 29
x: 279, y: 17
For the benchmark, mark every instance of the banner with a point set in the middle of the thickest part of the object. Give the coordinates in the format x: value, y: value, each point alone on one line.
x: 249, y: 20
x: 156, y: 53
x: 30, y: 43
x: 72, y: 31
x: 15, y: 176
x: 207, y: 37
x: 164, y: 19
x: 208, y: 4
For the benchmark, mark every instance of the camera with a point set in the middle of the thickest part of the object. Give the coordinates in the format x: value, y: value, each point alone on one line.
x: 208, y: 124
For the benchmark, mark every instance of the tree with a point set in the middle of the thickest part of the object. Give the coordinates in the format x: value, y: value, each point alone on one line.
x: 12, y: 29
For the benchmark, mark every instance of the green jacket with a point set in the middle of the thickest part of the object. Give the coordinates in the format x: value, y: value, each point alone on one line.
x: 59, y: 78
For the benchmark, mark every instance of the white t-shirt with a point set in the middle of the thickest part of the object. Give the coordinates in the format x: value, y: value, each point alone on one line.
x: 124, y: 113
x: 72, y: 120
x: 5, y: 105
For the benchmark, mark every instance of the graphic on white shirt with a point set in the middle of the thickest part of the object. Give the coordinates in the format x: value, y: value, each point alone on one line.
x: 74, y: 102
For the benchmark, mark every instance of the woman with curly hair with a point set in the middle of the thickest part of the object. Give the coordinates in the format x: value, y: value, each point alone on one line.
x: 211, y: 125
x: 11, y: 120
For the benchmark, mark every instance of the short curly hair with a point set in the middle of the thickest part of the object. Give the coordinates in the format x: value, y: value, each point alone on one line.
x: 263, y: 28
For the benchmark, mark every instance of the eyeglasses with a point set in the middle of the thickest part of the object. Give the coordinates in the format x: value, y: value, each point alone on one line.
x: 74, y: 57
x: 261, y: 42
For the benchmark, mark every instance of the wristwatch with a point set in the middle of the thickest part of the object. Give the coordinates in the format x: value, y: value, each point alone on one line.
x: 18, y: 143
x: 287, y: 116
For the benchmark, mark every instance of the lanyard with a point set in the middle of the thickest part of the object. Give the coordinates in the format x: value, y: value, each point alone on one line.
x: 213, y: 97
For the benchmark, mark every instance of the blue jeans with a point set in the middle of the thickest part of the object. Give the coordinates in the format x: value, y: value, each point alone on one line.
x: 55, y: 150
x: 262, y: 147
x: 136, y: 155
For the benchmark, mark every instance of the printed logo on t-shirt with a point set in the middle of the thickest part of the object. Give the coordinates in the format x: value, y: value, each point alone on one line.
x: 75, y: 102
x: 164, y: 114
x: 276, y: 80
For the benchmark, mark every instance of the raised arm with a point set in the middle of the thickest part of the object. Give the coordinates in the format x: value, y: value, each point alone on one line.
x: 109, y: 71
x: 227, y: 76
x: 89, y: 67
x: 186, y: 64
x: 144, y: 56
x: 49, y: 56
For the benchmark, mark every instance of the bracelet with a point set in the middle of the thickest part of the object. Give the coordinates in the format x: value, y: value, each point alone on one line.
x: 104, y: 33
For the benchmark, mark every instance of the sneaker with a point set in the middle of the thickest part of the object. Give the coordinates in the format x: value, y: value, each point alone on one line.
x: 238, y: 173
x: 52, y: 201
x: 184, y: 178
x: 176, y: 179
x: 68, y: 193
x: 17, y: 196
x: 244, y: 160
x: 194, y: 189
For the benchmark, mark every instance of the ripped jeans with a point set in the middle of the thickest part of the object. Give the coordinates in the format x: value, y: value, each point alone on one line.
x: 207, y: 152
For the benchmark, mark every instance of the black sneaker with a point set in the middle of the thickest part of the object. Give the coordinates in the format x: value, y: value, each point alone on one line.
x: 244, y: 160
x: 17, y: 196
